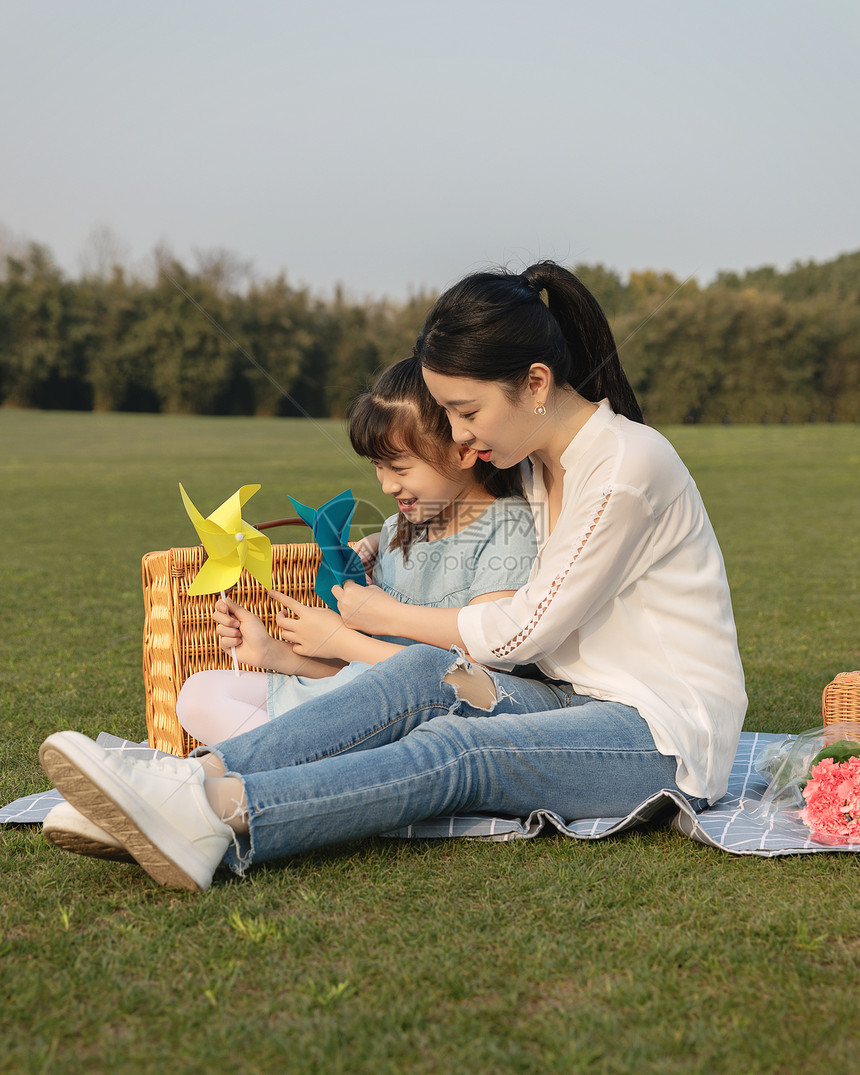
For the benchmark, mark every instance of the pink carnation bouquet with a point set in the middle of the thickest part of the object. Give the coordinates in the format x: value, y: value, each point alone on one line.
x: 832, y: 796
x: 813, y: 783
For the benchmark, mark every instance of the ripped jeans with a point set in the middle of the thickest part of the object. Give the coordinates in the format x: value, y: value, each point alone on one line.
x: 398, y: 744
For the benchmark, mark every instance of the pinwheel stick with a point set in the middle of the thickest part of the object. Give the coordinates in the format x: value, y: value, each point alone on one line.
x: 232, y: 648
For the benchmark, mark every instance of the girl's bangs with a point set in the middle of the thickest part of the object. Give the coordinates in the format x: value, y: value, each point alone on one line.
x: 383, y: 430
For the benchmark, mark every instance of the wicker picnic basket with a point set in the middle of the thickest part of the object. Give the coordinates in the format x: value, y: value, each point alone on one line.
x: 841, y: 699
x: 179, y: 636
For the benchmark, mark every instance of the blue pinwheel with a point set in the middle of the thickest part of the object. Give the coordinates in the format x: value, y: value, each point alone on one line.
x: 330, y: 526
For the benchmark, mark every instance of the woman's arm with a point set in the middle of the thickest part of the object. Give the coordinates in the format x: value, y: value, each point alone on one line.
x: 599, y: 546
x: 498, y: 595
x: 500, y: 551
x: 373, y: 611
x: 323, y: 633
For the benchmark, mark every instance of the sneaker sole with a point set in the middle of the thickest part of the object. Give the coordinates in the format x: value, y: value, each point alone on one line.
x: 80, y: 845
x: 79, y: 775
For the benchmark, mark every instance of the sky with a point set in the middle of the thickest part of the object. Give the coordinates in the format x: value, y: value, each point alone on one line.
x: 392, y: 146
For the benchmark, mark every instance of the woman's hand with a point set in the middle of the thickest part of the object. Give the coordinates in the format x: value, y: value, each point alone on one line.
x: 312, y: 632
x: 239, y: 628
x: 368, y: 549
x: 367, y: 608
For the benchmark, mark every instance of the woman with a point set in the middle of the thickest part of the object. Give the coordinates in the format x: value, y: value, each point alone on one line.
x: 626, y: 614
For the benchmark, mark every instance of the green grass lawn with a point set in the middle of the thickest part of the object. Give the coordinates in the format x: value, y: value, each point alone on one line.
x: 645, y: 953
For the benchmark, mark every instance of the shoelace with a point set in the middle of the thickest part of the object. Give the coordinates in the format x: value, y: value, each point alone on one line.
x: 174, y: 766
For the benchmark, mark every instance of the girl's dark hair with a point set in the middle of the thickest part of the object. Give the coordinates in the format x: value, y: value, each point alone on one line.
x: 397, y: 416
x: 493, y: 325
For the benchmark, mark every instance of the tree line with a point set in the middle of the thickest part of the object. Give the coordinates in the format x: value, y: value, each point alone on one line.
x: 764, y: 346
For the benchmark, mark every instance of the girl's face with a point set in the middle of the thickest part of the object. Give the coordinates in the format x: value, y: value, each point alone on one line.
x: 484, y: 418
x: 421, y: 491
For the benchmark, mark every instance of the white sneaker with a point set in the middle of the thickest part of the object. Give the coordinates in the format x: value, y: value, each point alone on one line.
x: 158, y: 810
x: 67, y: 828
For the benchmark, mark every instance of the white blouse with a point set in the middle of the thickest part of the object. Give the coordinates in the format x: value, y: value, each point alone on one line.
x: 628, y: 599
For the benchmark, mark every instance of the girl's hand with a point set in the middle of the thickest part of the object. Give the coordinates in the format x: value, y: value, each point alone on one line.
x: 240, y: 628
x: 368, y: 549
x: 366, y: 608
x: 312, y: 632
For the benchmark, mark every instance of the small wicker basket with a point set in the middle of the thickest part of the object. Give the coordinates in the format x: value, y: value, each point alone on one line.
x: 179, y: 636
x: 841, y: 699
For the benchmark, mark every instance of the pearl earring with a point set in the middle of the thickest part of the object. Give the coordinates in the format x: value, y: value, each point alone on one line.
x: 540, y: 409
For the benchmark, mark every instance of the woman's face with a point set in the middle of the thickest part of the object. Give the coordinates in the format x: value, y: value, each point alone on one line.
x: 484, y: 418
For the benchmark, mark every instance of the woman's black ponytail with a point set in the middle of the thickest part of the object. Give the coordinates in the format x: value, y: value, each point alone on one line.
x: 493, y: 325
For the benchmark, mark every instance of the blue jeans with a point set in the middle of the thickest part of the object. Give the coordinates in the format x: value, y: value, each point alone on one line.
x: 398, y: 745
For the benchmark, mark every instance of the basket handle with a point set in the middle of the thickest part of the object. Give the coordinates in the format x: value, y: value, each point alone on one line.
x: 279, y: 522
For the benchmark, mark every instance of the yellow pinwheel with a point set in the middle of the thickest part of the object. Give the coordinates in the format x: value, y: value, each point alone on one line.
x: 231, y: 544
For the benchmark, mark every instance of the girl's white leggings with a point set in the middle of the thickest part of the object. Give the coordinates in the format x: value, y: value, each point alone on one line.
x: 214, y: 706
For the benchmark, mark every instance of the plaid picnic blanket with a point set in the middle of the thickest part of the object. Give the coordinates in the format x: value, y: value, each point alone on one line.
x: 733, y: 824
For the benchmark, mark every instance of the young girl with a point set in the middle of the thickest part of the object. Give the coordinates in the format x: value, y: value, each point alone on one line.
x: 626, y: 614
x: 461, y: 536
